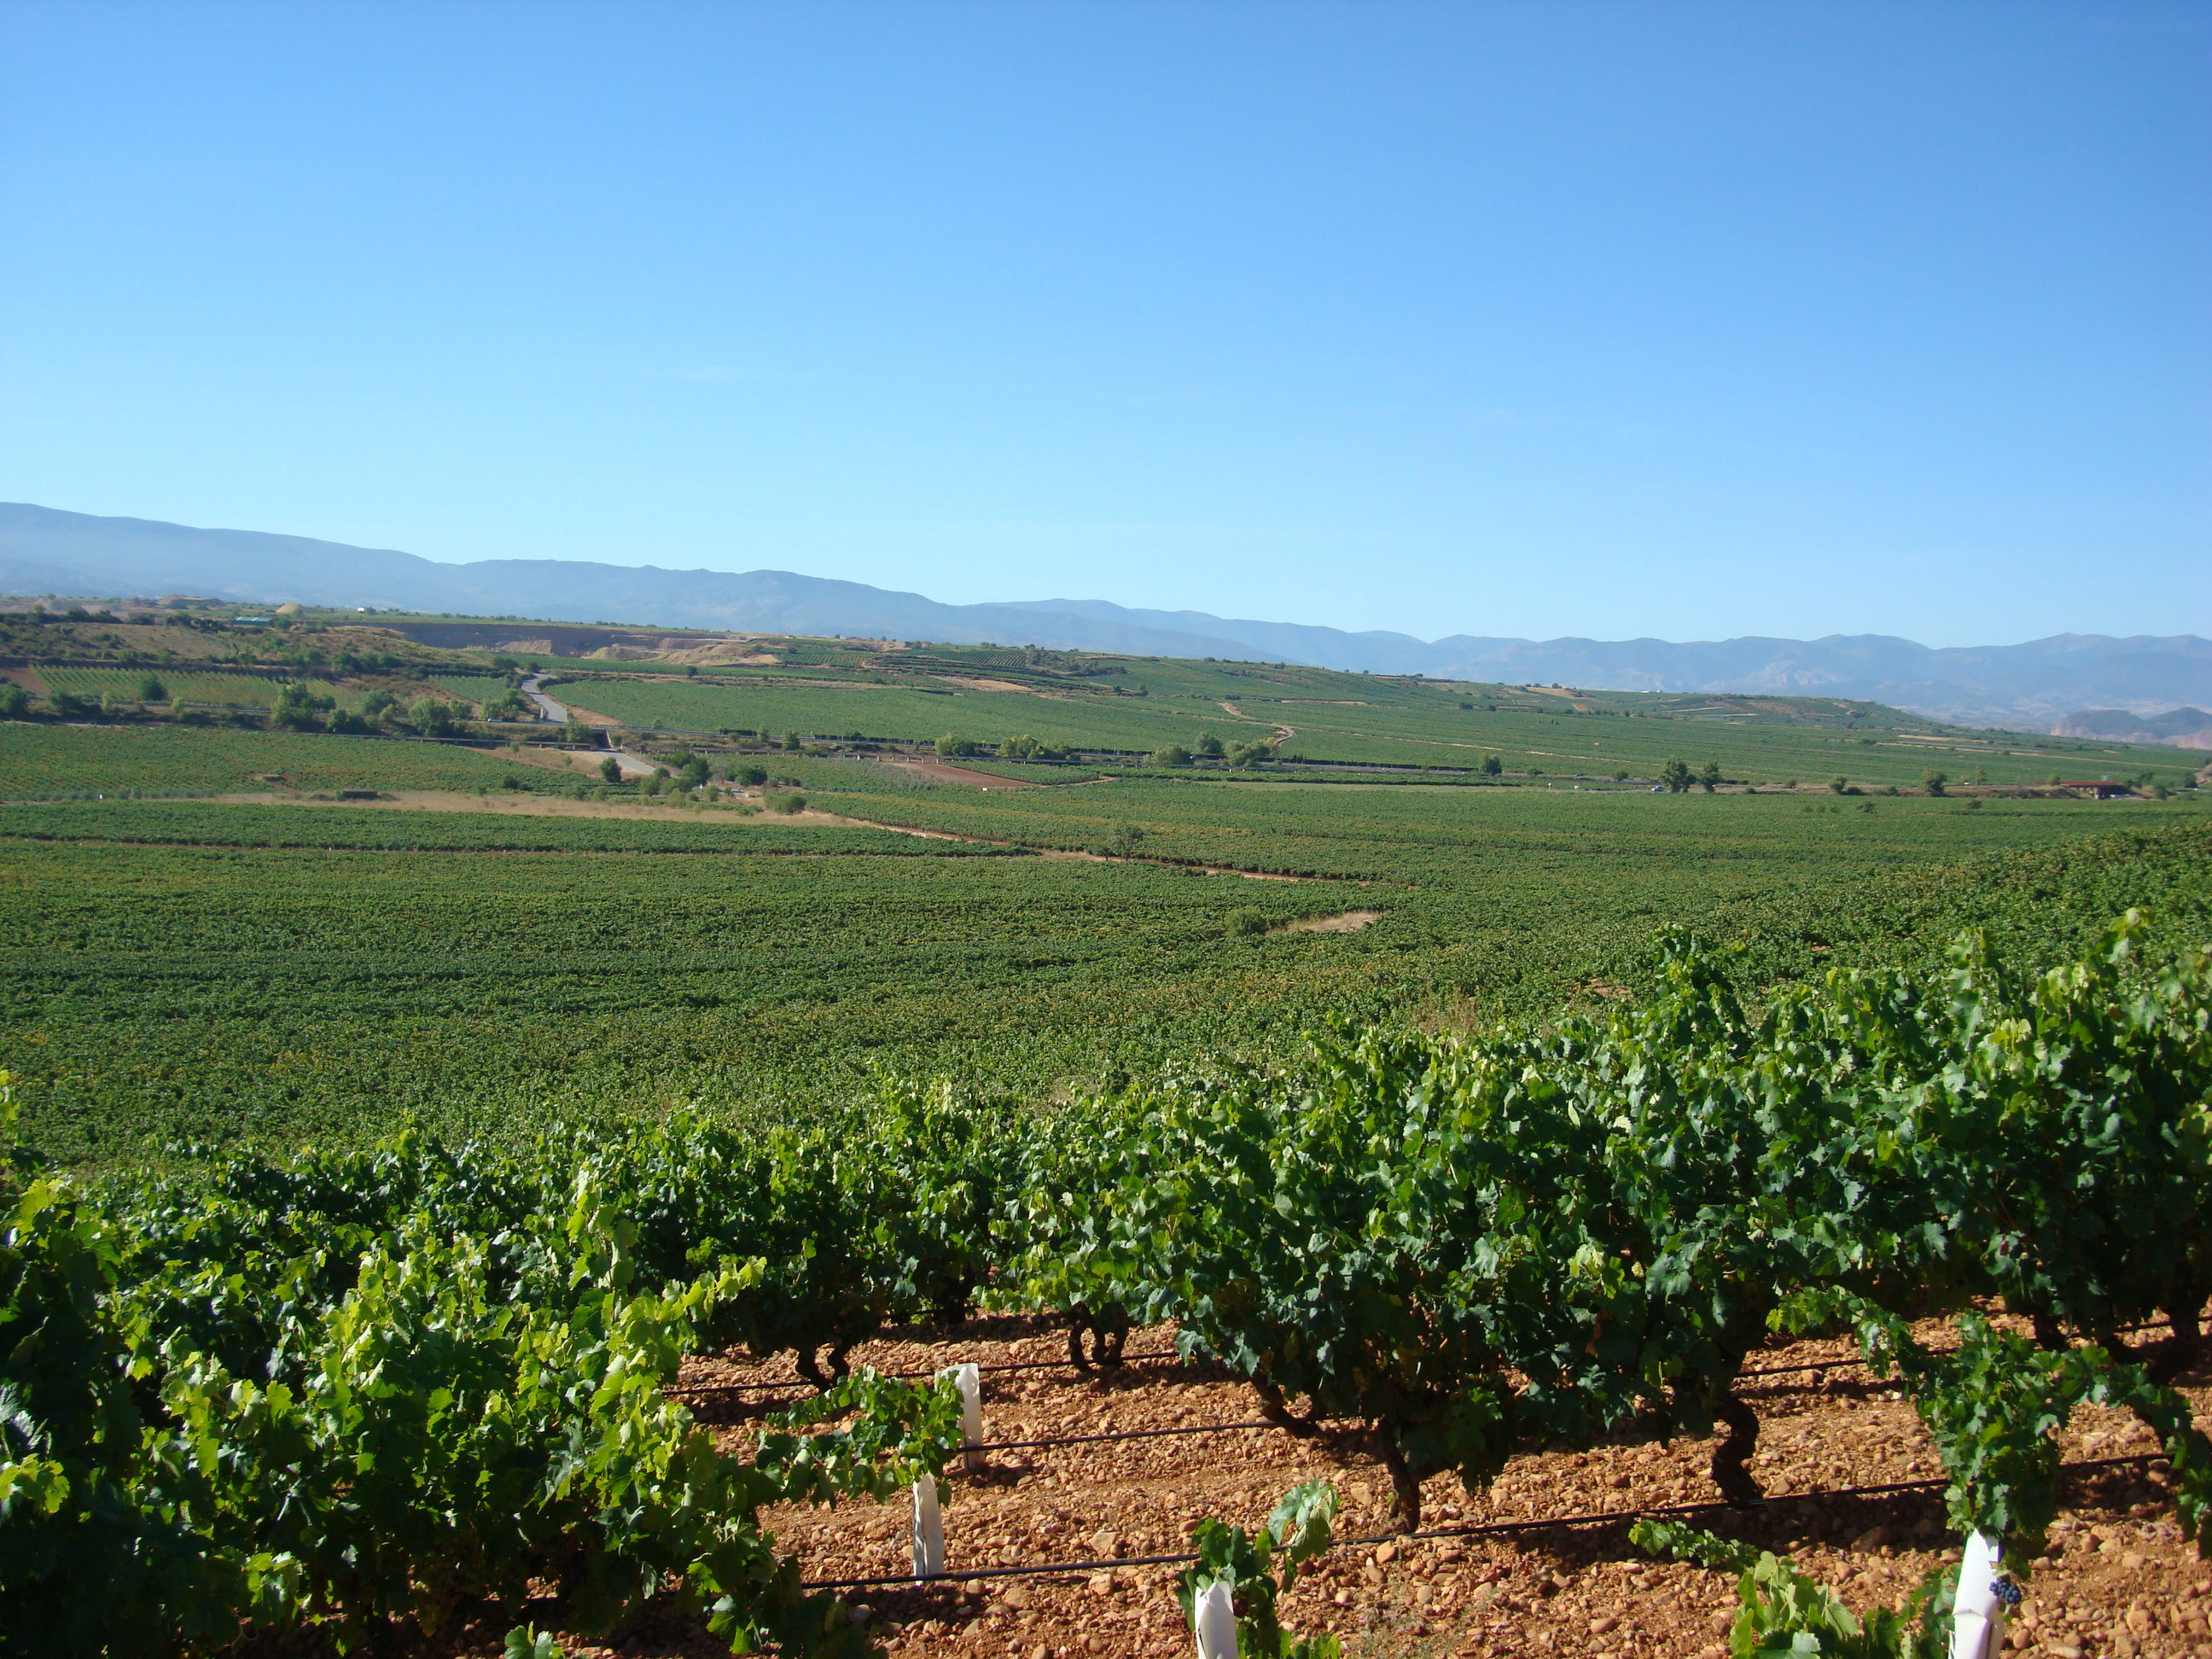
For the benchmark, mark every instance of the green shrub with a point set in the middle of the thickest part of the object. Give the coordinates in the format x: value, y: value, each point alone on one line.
x: 432, y: 717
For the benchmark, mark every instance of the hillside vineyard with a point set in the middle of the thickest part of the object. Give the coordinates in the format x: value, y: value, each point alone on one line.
x: 2032, y: 684
x: 1466, y: 1247
x: 473, y: 1175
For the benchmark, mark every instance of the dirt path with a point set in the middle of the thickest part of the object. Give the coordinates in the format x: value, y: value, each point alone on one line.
x: 585, y: 761
x: 1283, y: 733
x: 520, y: 805
x: 1072, y: 853
x: 1344, y: 921
x: 938, y: 771
x: 1581, y: 704
x: 525, y: 806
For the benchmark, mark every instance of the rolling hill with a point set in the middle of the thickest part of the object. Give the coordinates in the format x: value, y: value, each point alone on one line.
x: 2036, y: 685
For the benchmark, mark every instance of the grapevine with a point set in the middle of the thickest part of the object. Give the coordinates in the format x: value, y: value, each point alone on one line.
x: 359, y: 1387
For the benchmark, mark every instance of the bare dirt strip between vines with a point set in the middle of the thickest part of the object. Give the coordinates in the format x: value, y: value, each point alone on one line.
x: 1067, y: 853
x: 2120, y: 1581
x: 448, y: 800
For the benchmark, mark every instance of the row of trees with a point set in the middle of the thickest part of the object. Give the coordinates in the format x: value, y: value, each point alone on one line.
x: 1207, y: 746
x: 1024, y: 747
x: 1679, y: 778
x: 17, y: 704
x: 1211, y: 747
x: 687, y: 771
x: 298, y: 706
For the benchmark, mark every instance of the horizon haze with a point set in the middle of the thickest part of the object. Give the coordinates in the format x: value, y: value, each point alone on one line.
x: 1704, y: 320
x: 2041, y: 685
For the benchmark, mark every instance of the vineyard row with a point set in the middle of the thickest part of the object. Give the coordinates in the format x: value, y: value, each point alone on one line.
x: 365, y: 1389
x: 1616, y: 1518
x: 708, y: 1390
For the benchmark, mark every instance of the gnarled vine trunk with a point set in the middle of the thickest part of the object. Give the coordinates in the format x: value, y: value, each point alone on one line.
x: 1277, y: 1410
x: 1405, y: 1484
x: 1732, y: 1457
x: 1107, y: 1332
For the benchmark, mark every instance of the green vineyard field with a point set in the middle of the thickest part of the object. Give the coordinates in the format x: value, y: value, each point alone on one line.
x: 1507, y: 1114
x: 1404, y: 831
x: 902, y: 714
x: 427, y: 1371
x: 198, y: 688
x: 52, y: 760
x: 469, y: 688
x: 277, y: 972
x: 1361, y: 720
x: 208, y: 824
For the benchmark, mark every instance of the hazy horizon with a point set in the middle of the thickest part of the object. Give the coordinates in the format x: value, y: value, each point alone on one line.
x: 1692, y: 322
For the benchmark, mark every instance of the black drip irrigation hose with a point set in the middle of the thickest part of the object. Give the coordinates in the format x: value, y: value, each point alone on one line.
x: 1172, y: 1355
x: 1485, y: 1529
x: 693, y: 1389
x: 1049, y: 1441
x: 1118, y: 1434
x: 929, y: 1371
x: 1831, y: 1364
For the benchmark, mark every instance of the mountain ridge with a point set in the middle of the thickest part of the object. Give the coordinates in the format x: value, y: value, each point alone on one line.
x: 2037, y: 683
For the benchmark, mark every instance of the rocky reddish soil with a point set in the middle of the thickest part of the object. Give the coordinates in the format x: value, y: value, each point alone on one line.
x: 2118, y: 1581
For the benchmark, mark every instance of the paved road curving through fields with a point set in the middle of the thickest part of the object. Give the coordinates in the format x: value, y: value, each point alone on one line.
x: 546, y: 707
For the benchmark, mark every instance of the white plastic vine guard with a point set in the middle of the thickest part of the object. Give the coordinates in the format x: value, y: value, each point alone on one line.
x: 928, y: 1531
x: 970, y: 1382
x: 1978, y: 1618
x: 1214, y: 1618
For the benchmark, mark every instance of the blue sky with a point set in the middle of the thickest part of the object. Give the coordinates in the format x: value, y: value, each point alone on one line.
x: 1668, y: 318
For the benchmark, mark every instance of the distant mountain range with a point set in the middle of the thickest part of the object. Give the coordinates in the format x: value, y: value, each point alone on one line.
x: 2035, y: 685
x: 2185, y: 728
